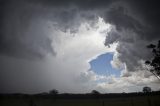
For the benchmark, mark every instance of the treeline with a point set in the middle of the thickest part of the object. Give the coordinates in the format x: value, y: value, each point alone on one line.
x: 79, y: 96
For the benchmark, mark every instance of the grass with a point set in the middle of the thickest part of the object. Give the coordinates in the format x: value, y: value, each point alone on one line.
x: 152, y: 100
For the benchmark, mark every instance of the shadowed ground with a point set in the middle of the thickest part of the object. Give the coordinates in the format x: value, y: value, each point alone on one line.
x: 81, y: 100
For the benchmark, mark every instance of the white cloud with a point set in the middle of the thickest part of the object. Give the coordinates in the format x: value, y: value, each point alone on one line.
x: 68, y: 70
x: 133, y: 83
x: 74, y: 51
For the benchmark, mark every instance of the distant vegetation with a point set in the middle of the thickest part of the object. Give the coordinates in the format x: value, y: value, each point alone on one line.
x: 53, y: 92
x: 94, y: 92
x: 146, y: 89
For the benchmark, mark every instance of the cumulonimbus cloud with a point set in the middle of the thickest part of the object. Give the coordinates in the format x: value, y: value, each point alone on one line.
x: 53, y: 31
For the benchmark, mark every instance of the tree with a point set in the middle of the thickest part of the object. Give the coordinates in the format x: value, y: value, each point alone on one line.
x: 154, y: 63
x: 53, y: 92
x: 95, y: 92
x: 146, y: 89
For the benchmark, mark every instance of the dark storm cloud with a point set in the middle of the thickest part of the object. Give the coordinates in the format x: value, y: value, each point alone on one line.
x: 149, y: 12
x: 82, y: 4
x: 26, y: 26
x: 135, y: 27
x: 22, y: 33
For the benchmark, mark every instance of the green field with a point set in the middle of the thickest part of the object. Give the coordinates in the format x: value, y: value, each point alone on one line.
x: 153, y: 100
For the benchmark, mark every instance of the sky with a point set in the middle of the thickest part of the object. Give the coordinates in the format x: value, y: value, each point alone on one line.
x: 102, y: 66
x: 77, y: 46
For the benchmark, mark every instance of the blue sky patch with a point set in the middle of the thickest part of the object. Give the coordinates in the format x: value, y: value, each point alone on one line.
x: 102, y: 66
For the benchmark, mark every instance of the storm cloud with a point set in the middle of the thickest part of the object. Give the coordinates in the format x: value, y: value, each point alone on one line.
x: 43, y: 41
x: 135, y: 28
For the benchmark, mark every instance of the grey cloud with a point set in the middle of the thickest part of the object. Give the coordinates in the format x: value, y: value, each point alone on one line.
x: 82, y: 4
x: 22, y: 32
x: 119, y: 17
x: 131, y: 33
x: 24, y: 29
x: 25, y: 33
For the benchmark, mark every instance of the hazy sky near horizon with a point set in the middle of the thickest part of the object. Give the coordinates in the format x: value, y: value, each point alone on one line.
x: 65, y: 44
